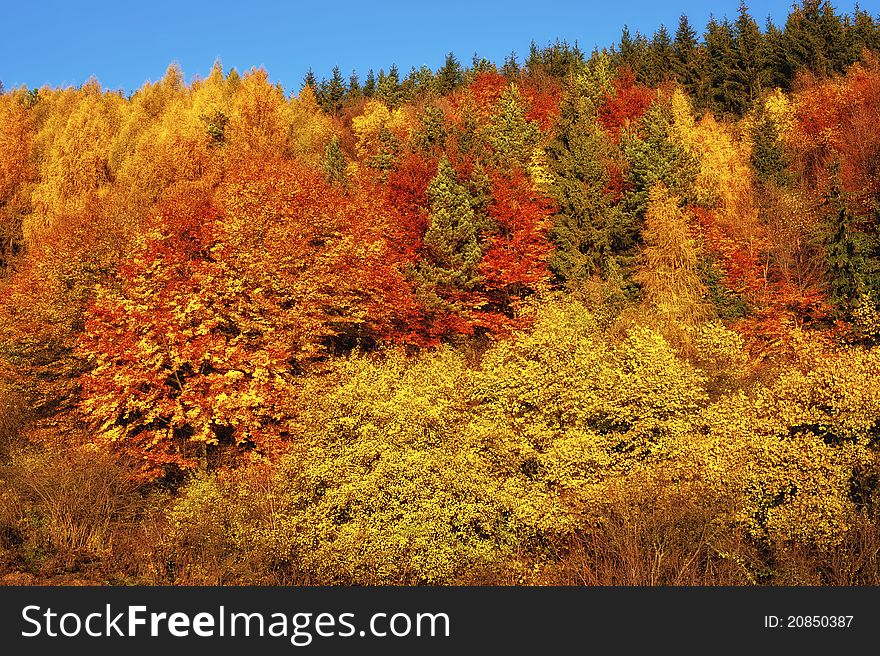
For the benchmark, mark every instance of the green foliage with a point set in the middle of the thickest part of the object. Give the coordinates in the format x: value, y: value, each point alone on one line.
x: 452, y: 242
x: 513, y: 138
x: 654, y: 154
x: 587, y: 228
x: 768, y: 152
x: 334, y: 163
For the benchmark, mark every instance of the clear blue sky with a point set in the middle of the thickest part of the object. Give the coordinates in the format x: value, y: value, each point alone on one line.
x: 125, y: 43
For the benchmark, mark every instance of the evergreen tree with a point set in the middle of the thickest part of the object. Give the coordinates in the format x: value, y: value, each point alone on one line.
x: 776, y: 68
x: 845, y: 263
x: 480, y: 65
x: 768, y: 154
x: 661, y: 58
x: 722, y: 89
x: 748, y: 72
x: 369, y: 88
x: 513, y: 138
x: 354, y: 86
x: 861, y: 33
x: 510, y: 70
x: 388, y: 88
x: 310, y: 81
x: 333, y: 163
x: 585, y: 229
x: 334, y: 92
x: 852, y: 254
x: 423, y: 81
x: 452, y: 248
x: 450, y: 75
x: 814, y: 40
x: 430, y: 136
x: 632, y: 52
x: 653, y: 154
x: 685, y: 57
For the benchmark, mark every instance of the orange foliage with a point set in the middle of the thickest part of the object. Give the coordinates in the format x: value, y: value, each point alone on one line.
x: 626, y: 105
x: 836, y: 122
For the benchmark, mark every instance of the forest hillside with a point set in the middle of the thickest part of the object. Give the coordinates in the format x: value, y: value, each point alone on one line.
x: 578, y: 318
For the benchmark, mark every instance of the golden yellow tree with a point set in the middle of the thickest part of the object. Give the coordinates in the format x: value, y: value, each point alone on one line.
x: 668, y: 271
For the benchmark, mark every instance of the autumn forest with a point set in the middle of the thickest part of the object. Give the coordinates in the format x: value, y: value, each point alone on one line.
x: 573, y: 318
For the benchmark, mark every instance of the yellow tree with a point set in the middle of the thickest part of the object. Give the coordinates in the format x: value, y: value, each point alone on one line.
x: 75, y: 170
x: 16, y: 170
x: 260, y: 122
x: 310, y: 128
x: 668, y: 270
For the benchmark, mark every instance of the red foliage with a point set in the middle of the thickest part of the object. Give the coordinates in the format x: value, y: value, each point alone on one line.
x: 837, y: 123
x: 514, y: 262
x: 486, y: 90
x: 406, y: 193
x: 776, y: 304
x: 626, y: 105
x: 543, y: 97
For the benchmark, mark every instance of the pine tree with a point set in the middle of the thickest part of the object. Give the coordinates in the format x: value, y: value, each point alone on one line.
x: 333, y: 163
x: 450, y: 75
x: 768, y: 153
x: 452, y: 242
x: 661, y: 58
x: 776, y: 68
x: 310, y: 81
x: 685, y: 53
x: 721, y: 57
x: 510, y: 70
x: 513, y: 138
x: 748, y: 71
x: 632, y: 52
x: 585, y: 229
x: 354, y: 86
x: 370, y: 84
x: 334, y: 92
x: 655, y: 155
x: 814, y: 40
x: 861, y: 33
x: 388, y: 88
x: 845, y: 262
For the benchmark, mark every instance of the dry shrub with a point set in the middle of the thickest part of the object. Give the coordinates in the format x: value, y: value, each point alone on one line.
x: 655, y: 533
x: 71, y: 501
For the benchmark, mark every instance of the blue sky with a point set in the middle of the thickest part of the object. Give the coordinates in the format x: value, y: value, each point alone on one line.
x: 124, y: 43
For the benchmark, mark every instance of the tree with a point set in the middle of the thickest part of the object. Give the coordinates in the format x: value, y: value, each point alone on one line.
x: 655, y: 154
x: 452, y: 245
x: 513, y: 138
x: 854, y: 276
x: 748, y: 69
x: 310, y: 81
x: 721, y: 58
x: 668, y: 269
x: 685, y: 56
x: 370, y: 84
x: 334, y: 163
x: 661, y: 58
x: 334, y: 93
x: 450, y: 75
x: 510, y: 69
x: 388, y: 88
x: 585, y: 229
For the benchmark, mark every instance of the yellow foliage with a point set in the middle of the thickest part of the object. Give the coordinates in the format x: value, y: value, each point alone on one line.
x: 368, y: 126
x: 724, y: 181
x: 310, y: 129
x: 76, y: 165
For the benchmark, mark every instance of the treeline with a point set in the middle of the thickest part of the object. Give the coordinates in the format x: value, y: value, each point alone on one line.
x: 565, y: 323
x: 724, y: 70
